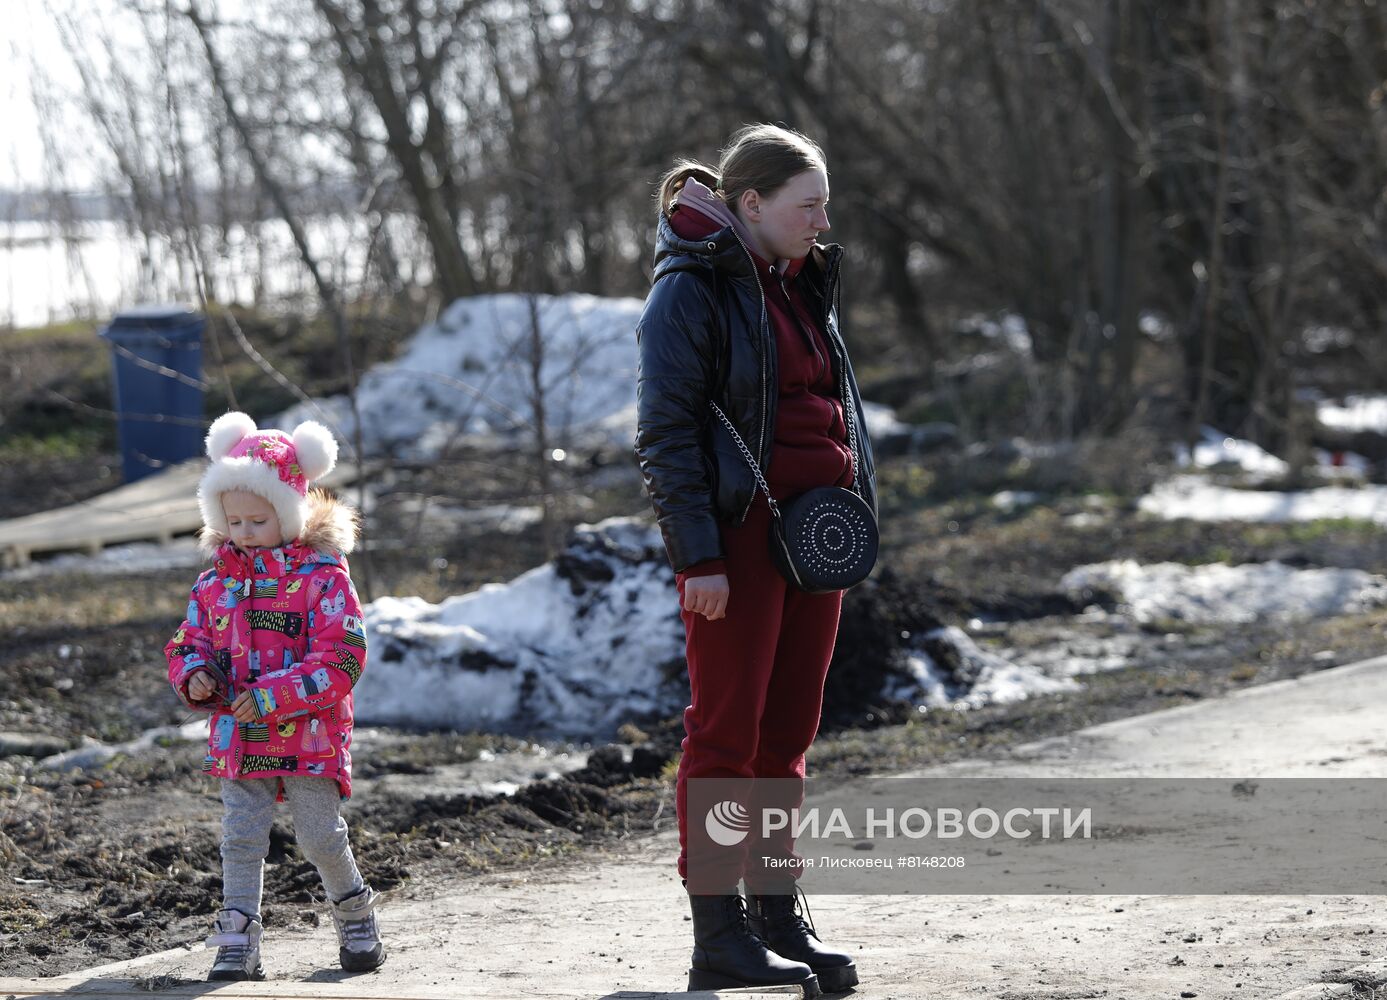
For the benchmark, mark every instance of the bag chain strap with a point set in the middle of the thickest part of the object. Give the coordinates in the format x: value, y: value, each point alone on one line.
x: 849, y: 403
x: 746, y: 453
x: 756, y: 468
x: 848, y: 407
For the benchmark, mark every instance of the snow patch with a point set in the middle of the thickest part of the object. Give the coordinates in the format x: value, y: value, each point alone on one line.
x: 1341, y: 465
x: 1228, y: 594
x: 469, y: 373
x: 1086, y: 519
x: 1195, y: 499
x: 949, y: 670
x: 1010, y: 500
x: 1355, y: 413
x: 1071, y: 654
x: 1319, y: 339
x: 881, y: 421
x: 1217, y: 449
x: 573, y: 648
x: 1010, y: 330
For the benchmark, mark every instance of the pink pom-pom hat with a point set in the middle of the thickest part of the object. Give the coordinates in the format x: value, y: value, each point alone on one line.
x: 268, y: 463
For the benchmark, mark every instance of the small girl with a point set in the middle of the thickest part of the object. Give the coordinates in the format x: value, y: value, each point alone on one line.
x: 272, y: 646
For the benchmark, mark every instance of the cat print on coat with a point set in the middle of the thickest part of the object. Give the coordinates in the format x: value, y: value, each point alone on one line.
x: 248, y: 613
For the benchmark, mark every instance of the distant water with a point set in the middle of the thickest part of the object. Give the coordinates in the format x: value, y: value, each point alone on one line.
x: 96, y: 268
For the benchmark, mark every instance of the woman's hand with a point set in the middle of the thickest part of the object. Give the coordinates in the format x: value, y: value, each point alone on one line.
x: 707, y: 596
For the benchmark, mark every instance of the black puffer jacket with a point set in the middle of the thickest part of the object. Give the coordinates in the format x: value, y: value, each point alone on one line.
x: 704, y: 335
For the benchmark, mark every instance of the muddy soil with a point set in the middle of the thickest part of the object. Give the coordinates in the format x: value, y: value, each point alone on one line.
x: 104, y: 865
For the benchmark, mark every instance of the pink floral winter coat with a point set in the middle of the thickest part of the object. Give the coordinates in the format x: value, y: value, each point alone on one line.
x: 286, y: 624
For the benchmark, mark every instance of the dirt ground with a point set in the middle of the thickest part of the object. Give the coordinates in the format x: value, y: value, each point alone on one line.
x: 107, y: 865
x: 611, y: 920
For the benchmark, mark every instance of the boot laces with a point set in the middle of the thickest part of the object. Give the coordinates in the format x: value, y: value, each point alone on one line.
x: 807, y: 920
x: 797, y: 914
x: 741, y: 918
x: 232, y: 954
x: 233, y: 946
x: 360, y: 931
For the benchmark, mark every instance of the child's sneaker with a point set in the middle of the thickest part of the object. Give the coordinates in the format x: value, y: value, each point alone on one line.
x: 237, y: 940
x: 358, y: 934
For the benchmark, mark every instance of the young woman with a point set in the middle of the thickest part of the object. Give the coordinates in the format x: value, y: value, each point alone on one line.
x: 743, y: 315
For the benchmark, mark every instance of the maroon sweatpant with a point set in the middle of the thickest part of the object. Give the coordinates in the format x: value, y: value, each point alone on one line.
x: 757, y: 684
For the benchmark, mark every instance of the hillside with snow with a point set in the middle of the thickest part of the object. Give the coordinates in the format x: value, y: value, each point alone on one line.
x: 486, y: 367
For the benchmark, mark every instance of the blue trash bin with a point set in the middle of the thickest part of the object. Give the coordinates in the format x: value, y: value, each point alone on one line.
x: 157, y: 382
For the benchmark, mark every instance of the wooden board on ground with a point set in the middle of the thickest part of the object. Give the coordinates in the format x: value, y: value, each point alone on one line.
x: 155, y: 509
x: 356, y: 988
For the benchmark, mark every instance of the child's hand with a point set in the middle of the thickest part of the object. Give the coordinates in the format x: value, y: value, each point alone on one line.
x: 201, y: 687
x: 244, y: 707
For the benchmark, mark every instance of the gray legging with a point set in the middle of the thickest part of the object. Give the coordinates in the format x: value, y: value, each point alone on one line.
x: 319, y: 830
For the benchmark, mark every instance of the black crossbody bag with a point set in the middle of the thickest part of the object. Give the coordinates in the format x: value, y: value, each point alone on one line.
x: 825, y: 539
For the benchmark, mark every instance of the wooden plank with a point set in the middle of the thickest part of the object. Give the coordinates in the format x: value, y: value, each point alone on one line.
x: 121, y: 989
x: 154, y: 509
x: 359, y: 988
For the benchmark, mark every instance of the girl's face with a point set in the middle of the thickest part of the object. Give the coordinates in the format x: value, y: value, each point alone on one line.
x: 251, y: 520
x: 787, y: 222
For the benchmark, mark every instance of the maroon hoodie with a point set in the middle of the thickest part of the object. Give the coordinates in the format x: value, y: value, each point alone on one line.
x: 810, y: 443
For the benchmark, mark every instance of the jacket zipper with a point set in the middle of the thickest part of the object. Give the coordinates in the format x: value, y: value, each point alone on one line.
x: 809, y: 336
x: 765, y: 347
x: 841, y: 360
x: 849, y: 413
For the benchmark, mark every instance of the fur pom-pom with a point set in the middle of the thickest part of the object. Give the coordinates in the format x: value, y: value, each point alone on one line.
x: 226, y: 432
x: 316, y: 449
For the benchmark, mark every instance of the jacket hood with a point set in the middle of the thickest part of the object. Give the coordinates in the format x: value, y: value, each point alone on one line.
x: 698, y: 211
x: 699, y: 203
x: 331, y: 529
x: 690, y: 241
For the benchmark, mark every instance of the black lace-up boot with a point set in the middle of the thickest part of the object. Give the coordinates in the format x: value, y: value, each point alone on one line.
x: 780, y: 922
x: 727, y: 954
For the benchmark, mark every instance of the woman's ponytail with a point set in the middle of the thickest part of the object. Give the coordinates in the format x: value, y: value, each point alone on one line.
x: 673, y: 181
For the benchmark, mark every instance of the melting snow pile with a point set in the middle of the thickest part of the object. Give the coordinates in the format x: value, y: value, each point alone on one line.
x: 949, y: 670
x: 1356, y: 413
x: 1070, y: 654
x: 1216, y: 449
x: 572, y: 648
x: 1196, y: 498
x: 1193, y: 498
x: 1233, y: 594
x: 576, y: 647
x: 472, y: 373
x: 882, y: 422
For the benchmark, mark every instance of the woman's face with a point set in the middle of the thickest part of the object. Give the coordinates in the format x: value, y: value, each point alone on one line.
x: 788, y: 221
